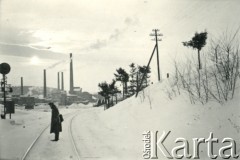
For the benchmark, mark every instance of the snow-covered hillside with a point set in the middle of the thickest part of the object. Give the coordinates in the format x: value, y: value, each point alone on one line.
x: 153, y: 111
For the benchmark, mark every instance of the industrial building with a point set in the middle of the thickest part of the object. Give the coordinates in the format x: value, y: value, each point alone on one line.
x: 45, y: 94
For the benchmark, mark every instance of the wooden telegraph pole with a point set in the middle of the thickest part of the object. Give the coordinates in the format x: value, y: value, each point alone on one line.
x: 155, y: 34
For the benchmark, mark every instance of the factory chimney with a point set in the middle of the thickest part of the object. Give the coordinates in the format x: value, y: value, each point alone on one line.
x: 44, y: 84
x: 21, y: 85
x: 71, y: 75
x: 58, y: 80
x: 62, y: 82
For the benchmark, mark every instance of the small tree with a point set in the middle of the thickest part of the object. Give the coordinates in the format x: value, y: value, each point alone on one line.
x: 105, y: 92
x: 133, y: 79
x: 141, y: 71
x: 123, y: 77
x: 113, y: 90
x: 197, y: 42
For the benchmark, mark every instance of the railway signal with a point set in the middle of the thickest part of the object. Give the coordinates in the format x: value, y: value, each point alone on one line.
x: 4, y: 70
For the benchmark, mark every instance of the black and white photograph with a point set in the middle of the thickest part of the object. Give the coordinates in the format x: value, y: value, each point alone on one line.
x: 119, y: 79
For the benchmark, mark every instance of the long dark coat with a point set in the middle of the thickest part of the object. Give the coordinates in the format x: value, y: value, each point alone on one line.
x: 56, y: 125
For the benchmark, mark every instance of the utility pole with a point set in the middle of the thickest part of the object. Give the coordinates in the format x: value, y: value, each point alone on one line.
x: 156, y: 34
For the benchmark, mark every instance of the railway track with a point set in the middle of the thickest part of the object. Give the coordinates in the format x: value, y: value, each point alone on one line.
x: 34, y: 143
x: 72, y: 138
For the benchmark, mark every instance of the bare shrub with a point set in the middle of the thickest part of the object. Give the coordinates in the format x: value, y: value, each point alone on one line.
x: 219, y: 76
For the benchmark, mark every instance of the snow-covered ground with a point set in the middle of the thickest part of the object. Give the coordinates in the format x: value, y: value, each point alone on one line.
x: 18, y: 133
x: 116, y: 133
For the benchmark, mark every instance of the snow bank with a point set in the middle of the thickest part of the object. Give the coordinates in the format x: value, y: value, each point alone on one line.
x: 80, y: 105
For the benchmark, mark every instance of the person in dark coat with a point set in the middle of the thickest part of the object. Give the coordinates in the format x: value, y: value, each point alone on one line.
x: 56, y: 125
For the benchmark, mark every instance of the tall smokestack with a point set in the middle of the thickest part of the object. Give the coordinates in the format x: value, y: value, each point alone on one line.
x: 62, y: 82
x: 71, y: 75
x: 44, y: 84
x: 21, y: 85
x: 58, y: 80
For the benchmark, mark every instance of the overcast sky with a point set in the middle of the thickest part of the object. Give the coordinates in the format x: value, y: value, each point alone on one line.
x: 102, y: 35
